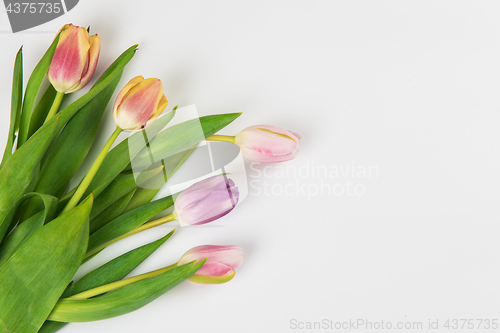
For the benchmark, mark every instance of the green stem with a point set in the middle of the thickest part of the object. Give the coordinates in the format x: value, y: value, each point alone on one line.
x: 119, y: 284
x: 93, y: 170
x: 143, y: 227
x: 223, y: 138
x: 55, y: 106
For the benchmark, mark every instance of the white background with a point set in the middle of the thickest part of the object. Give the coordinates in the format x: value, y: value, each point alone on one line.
x: 409, y: 88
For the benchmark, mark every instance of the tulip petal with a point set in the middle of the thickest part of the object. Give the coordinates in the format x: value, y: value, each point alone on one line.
x: 92, y: 58
x: 159, y: 109
x: 124, y: 91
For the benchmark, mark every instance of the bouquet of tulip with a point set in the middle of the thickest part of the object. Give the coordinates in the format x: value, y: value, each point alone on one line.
x: 47, y: 230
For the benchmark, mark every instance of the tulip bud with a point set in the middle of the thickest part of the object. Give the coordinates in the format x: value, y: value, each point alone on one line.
x: 221, y: 262
x: 206, y: 201
x: 75, y: 59
x: 139, y: 103
x: 268, y: 144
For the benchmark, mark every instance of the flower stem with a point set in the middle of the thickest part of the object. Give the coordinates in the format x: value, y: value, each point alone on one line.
x: 55, y: 106
x: 143, y: 227
x: 223, y: 138
x: 120, y: 284
x: 93, y: 170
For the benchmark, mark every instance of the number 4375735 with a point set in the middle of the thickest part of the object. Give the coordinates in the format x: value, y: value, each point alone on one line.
x: 34, y: 7
x: 471, y: 324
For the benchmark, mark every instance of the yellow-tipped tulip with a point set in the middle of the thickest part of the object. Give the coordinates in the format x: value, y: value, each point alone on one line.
x: 75, y: 59
x: 139, y: 103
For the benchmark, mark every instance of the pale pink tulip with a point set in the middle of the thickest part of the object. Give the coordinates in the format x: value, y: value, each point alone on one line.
x: 268, y: 144
x: 222, y: 260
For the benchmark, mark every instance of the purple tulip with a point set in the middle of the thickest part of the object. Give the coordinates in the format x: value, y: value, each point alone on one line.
x: 222, y: 260
x: 206, y: 201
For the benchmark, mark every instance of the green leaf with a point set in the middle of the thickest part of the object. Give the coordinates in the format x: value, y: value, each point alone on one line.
x: 117, y: 268
x: 128, y: 221
x: 182, y: 137
x: 32, y: 89
x: 26, y: 229
x: 22, y: 168
x: 41, y: 269
x: 111, y: 212
x: 42, y: 110
x: 16, y: 102
x: 112, y: 271
x: 123, y: 300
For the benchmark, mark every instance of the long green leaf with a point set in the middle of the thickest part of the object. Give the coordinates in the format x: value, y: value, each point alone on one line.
x: 117, y: 268
x: 123, y: 300
x: 182, y: 137
x: 41, y: 269
x: 112, y: 271
x: 16, y: 102
x: 31, y: 92
x: 128, y: 221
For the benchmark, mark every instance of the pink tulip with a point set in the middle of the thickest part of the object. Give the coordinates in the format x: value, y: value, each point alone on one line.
x: 139, y: 103
x: 206, y: 201
x: 75, y: 59
x: 219, y: 267
x: 268, y: 144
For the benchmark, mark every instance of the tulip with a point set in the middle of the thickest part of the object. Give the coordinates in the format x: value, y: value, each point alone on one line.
x: 268, y: 144
x: 206, y: 201
x: 220, y: 264
x: 139, y: 104
x: 75, y: 59
x: 264, y: 143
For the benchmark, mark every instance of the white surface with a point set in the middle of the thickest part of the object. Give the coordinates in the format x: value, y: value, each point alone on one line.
x: 409, y: 88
